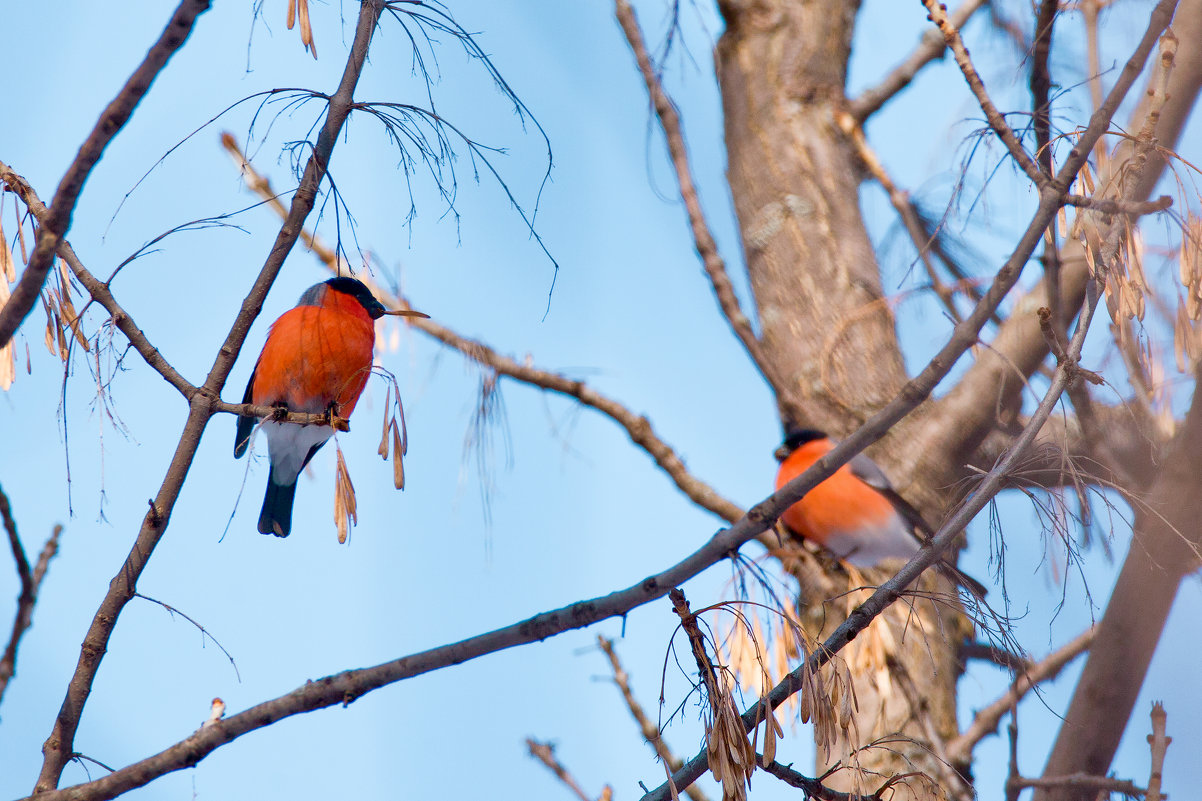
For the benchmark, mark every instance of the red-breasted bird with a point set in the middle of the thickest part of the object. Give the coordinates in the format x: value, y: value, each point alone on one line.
x: 855, y: 514
x: 316, y: 359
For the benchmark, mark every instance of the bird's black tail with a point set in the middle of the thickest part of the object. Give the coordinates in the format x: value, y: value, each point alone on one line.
x: 276, y: 517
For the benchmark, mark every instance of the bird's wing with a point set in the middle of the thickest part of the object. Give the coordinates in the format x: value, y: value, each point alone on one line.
x: 246, y: 425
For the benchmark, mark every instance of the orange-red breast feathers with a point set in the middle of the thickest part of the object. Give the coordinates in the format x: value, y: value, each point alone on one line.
x: 844, y: 513
x: 316, y: 356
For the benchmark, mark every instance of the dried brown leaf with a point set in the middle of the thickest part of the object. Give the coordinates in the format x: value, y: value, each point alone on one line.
x: 398, y: 459
x: 383, y: 449
x: 6, y: 256
x: 345, y: 505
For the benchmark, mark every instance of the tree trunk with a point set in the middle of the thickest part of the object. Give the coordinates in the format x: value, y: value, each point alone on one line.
x: 794, y: 176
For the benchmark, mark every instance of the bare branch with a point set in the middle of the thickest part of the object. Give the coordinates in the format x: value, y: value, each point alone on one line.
x: 545, y: 753
x: 1078, y: 781
x: 811, y: 787
x: 951, y: 35
x: 59, y: 745
x: 651, y: 733
x: 31, y: 582
x: 111, y: 121
x: 930, y: 48
x: 707, y: 249
x: 985, y: 722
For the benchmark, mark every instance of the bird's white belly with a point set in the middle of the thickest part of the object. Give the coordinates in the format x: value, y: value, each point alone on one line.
x: 288, y: 445
x: 869, y: 545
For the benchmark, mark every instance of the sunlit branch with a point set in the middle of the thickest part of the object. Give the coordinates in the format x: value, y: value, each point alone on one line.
x: 651, y: 733
x: 111, y: 121
x: 545, y: 753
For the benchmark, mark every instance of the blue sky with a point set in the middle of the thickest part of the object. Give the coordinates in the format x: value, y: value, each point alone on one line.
x: 574, y: 510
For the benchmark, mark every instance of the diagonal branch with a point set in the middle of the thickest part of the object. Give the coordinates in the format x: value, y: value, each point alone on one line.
x: 931, y: 47
x: 111, y: 121
x: 986, y: 720
x: 59, y: 746
x: 937, y: 13
x: 651, y: 733
x: 31, y: 582
x: 703, y: 240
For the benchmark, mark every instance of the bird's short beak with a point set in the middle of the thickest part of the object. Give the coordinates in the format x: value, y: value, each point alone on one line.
x: 406, y: 313
x: 781, y: 453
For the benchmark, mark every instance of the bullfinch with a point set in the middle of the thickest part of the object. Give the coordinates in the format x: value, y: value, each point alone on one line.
x: 855, y: 514
x: 316, y: 359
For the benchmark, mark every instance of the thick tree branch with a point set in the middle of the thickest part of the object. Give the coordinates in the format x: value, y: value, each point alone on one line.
x: 111, y: 121
x: 931, y: 47
x: 31, y: 582
x: 985, y: 722
x: 703, y: 240
x: 60, y: 744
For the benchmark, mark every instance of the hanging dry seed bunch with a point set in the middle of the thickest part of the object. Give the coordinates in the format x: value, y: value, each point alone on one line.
x: 394, y: 433
x: 8, y: 357
x: 300, y: 8
x: 731, y: 754
x: 345, y: 506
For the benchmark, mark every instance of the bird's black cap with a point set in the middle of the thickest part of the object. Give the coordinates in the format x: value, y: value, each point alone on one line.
x: 795, y: 438
x: 357, y: 290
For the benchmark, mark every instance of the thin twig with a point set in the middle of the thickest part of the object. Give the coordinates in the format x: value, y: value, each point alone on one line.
x: 545, y: 753
x: 1158, y: 742
x: 703, y: 240
x: 31, y: 582
x: 812, y: 788
x: 111, y: 121
x: 60, y: 744
x: 1079, y: 781
x: 985, y: 722
x: 930, y: 48
x: 951, y: 35
x: 651, y: 733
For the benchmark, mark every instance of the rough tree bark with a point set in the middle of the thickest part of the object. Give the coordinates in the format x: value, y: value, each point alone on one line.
x: 794, y: 176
